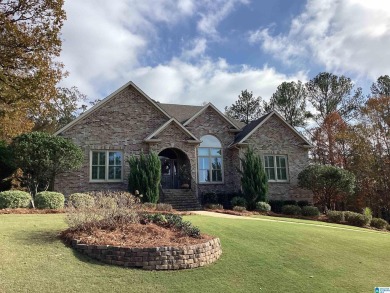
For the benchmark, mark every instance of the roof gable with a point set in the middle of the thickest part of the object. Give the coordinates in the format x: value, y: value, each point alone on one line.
x: 250, y: 128
x: 209, y: 105
x: 106, y: 100
x: 180, y: 112
x: 150, y: 138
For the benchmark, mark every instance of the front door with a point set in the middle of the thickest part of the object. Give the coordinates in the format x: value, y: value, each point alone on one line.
x: 169, y: 173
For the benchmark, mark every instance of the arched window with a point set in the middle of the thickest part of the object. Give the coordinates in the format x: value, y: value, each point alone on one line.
x: 210, y: 163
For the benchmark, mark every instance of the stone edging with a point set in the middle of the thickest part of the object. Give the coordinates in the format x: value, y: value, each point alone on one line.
x: 155, y: 258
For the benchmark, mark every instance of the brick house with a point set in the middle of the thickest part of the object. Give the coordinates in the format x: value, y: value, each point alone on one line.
x: 197, y: 141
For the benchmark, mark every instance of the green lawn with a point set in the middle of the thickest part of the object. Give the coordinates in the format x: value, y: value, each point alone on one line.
x: 258, y: 256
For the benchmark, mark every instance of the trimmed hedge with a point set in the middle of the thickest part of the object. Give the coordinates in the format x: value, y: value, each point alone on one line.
x: 291, y: 210
x: 310, y: 211
x: 214, y: 206
x: 164, y: 207
x: 80, y: 200
x: 262, y: 206
x: 239, y: 209
x: 356, y: 219
x: 378, y: 223
x: 239, y: 201
x: 12, y: 199
x: 335, y: 216
x: 49, y: 200
x: 276, y: 206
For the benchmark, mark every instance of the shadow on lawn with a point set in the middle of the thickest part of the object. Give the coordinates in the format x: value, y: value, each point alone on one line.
x: 37, y: 237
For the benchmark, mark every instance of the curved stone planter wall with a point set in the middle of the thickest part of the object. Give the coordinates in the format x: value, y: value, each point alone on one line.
x: 155, y: 258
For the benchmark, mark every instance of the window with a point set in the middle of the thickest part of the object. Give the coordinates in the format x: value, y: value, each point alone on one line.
x: 106, y: 166
x: 275, y: 167
x: 210, y: 161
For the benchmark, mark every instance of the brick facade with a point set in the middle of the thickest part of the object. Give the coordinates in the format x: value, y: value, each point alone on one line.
x: 123, y: 121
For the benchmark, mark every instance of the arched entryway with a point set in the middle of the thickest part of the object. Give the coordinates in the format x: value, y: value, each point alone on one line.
x: 175, y: 169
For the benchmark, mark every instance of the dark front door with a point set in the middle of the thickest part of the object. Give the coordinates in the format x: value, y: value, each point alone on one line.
x: 169, y: 173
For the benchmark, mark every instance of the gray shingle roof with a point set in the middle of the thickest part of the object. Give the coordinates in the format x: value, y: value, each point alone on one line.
x: 249, y: 127
x: 180, y: 112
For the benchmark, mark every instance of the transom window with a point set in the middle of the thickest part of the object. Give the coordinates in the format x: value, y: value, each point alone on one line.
x: 210, y: 163
x: 276, y: 167
x: 106, y: 166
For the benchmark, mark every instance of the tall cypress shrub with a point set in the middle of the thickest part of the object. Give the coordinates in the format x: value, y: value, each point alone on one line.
x: 254, y: 180
x: 145, y: 176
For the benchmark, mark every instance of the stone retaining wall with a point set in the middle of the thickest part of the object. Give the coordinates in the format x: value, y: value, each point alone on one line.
x: 155, y: 258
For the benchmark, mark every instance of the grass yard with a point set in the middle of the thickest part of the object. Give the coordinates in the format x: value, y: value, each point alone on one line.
x: 258, y: 256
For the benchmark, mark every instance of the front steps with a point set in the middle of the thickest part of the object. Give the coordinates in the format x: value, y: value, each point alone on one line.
x: 181, y: 199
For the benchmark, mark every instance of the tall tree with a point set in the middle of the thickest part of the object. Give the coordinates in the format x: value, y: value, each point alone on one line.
x: 336, y: 103
x: 330, y: 93
x: 60, y: 111
x: 381, y: 87
x: 29, y: 44
x: 290, y: 101
x: 246, y: 109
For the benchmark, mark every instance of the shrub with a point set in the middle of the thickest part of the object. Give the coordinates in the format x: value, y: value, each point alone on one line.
x: 303, y: 203
x: 238, y: 201
x: 14, y: 199
x: 78, y: 200
x: 276, y: 206
x: 291, y: 210
x: 214, y: 206
x: 356, y: 219
x: 49, y: 200
x: 110, y: 209
x: 210, y: 197
x: 388, y: 227
x: 262, y: 206
x: 367, y: 212
x: 335, y: 216
x: 166, y: 207
x: 290, y: 202
x: 310, y: 211
x: 239, y: 209
x: 149, y: 205
x: 378, y: 223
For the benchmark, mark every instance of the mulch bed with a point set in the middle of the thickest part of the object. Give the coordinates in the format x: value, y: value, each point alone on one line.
x: 133, y: 235
x: 31, y: 211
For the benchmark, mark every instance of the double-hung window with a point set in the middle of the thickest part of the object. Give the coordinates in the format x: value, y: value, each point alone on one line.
x: 106, y: 166
x: 276, y: 167
x: 210, y: 163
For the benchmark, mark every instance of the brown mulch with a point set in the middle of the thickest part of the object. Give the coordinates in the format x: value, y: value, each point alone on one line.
x: 31, y: 211
x: 134, y: 235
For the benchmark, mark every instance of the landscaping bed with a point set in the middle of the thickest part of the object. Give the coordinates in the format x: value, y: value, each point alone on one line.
x: 31, y: 211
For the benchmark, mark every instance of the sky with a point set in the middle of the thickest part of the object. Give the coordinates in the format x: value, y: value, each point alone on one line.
x: 197, y: 51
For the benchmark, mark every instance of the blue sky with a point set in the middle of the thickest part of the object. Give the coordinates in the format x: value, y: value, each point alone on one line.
x: 196, y: 51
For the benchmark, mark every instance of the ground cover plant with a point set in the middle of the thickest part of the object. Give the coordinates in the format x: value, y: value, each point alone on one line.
x: 309, y: 257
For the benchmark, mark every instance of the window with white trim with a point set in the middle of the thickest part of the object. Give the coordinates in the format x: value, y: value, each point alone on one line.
x: 210, y: 163
x: 106, y: 166
x: 276, y: 167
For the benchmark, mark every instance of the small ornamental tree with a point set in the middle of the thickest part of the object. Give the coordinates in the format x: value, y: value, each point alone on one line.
x: 254, y: 180
x: 42, y: 156
x: 329, y: 184
x: 145, y: 176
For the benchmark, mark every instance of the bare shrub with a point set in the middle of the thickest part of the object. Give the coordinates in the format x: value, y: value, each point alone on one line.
x: 109, y: 210
x: 163, y: 207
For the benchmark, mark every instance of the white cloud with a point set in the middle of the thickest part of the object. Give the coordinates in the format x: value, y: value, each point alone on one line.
x: 349, y: 36
x: 208, y: 81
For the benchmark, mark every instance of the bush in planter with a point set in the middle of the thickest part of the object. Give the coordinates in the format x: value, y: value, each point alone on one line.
x: 239, y: 201
x: 166, y: 207
x: 14, y: 199
x: 262, y: 206
x: 276, y: 206
x: 335, y: 216
x: 378, y: 223
x: 79, y: 200
x: 239, y: 209
x: 356, y: 219
x: 49, y: 200
x: 214, y: 206
x: 292, y: 210
x: 310, y: 211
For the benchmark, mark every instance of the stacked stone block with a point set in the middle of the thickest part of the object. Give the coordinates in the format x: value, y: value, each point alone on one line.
x: 155, y: 258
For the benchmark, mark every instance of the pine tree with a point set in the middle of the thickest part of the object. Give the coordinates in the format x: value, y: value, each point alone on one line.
x: 254, y: 180
x: 246, y: 109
